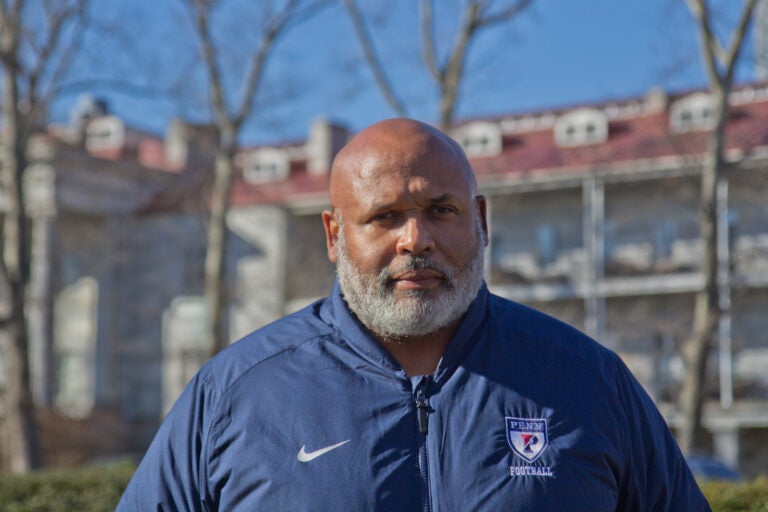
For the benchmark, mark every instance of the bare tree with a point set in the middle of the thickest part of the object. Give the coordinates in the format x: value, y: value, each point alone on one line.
x: 372, y: 58
x: 477, y: 16
x: 34, y: 52
x: 229, y: 115
x: 711, y: 301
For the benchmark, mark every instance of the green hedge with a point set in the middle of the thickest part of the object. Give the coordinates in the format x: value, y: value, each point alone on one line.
x: 99, y: 489
x: 88, y: 490
x: 750, y: 496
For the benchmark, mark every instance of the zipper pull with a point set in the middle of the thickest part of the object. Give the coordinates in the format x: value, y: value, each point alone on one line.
x: 422, y: 408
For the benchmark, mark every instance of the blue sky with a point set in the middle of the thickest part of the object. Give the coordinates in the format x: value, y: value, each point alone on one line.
x: 559, y: 53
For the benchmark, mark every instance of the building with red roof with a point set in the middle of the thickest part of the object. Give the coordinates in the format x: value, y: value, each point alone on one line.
x: 593, y: 218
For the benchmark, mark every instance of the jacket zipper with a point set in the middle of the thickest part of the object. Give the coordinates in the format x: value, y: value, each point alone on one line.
x: 422, y: 418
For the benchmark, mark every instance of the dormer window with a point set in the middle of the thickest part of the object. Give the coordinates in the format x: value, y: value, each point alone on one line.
x: 692, y: 113
x: 266, y: 165
x: 480, y: 139
x: 104, y: 133
x: 581, y: 127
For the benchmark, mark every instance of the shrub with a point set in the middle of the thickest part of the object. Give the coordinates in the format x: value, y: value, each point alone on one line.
x: 99, y: 489
x: 93, y: 489
x: 750, y: 496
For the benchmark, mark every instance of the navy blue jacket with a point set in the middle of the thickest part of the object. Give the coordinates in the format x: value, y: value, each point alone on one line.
x: 524, y: 413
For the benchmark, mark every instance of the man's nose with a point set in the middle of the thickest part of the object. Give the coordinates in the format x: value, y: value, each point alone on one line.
x: 415, y: 237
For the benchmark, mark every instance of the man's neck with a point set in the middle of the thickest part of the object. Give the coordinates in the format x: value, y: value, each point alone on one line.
x: 419, y: 355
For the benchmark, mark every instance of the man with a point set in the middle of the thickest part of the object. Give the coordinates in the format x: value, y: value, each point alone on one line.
x: 411, y: 387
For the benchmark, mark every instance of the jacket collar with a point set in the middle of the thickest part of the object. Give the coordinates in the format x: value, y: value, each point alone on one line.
x: 359, y: 338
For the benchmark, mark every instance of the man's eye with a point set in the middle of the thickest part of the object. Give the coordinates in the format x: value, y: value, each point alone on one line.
x: 379, y: 217
x: 443, y: 210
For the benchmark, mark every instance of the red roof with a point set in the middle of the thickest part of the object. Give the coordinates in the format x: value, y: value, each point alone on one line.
x: 645, y: 136
x: 300, y: 185
x: 638, y: 138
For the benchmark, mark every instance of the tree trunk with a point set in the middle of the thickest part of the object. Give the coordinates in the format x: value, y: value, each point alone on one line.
x: 713, y: 300
x: 708, y: 307
x: 20, y: 432
x: 20, y: 427
x: 216, y: 248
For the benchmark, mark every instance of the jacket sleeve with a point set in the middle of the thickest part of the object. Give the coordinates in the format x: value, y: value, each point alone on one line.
x: 655, y: 475
x: 171, y: 475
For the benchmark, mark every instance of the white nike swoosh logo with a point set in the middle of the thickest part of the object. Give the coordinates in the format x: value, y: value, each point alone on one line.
x: 304, y: 456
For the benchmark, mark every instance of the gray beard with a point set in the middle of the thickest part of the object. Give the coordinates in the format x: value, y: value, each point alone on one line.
x: 413, y: 313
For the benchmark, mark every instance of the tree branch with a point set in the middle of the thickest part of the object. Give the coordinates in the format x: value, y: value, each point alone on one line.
x: 200, y: 17
x: 720, y: 64
x: 737, y: 40
x: 40, y: 100
x: 372, y: 58
x: 9, y: 31
x: 452, y: 72
x: 470, y: 24
x: 54, y: 33
x: 504, y: 14
x: 711, y: 49
x: 428, y: 41
x: 272, y: 30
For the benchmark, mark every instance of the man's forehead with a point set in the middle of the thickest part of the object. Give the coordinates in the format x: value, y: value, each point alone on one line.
x: 374, y: 156
x: 381, y: 185
x: 383, y: 156
x: 386, y: 199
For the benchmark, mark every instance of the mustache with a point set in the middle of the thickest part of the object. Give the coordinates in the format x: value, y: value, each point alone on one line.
x: 412, y: 264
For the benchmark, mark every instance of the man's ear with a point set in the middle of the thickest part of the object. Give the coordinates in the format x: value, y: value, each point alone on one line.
x: 481, y: 204
x: 332, y: 227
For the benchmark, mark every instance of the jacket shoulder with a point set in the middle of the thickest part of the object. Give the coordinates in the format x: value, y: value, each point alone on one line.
x: 283, y: 335
x: 533, y: 330
x: 530, y: 322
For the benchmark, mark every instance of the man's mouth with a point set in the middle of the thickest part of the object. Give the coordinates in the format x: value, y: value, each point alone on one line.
x: 422, y: 279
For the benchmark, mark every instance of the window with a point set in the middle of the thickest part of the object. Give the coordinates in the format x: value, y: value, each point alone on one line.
x: 104, y: 133
x: 480, y: 139
x: 75, y: 311
x: 581, y: 127
x: 266, y: 165
x: 546, y: 244
x: 665, y: 236
x: 692, y: 113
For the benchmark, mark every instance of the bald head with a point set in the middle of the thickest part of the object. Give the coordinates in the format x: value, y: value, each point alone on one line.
x: 407, y: 233
x: 393, y: 147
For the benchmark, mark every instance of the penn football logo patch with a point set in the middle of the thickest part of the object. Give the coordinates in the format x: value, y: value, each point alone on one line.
x: 527, y: 437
